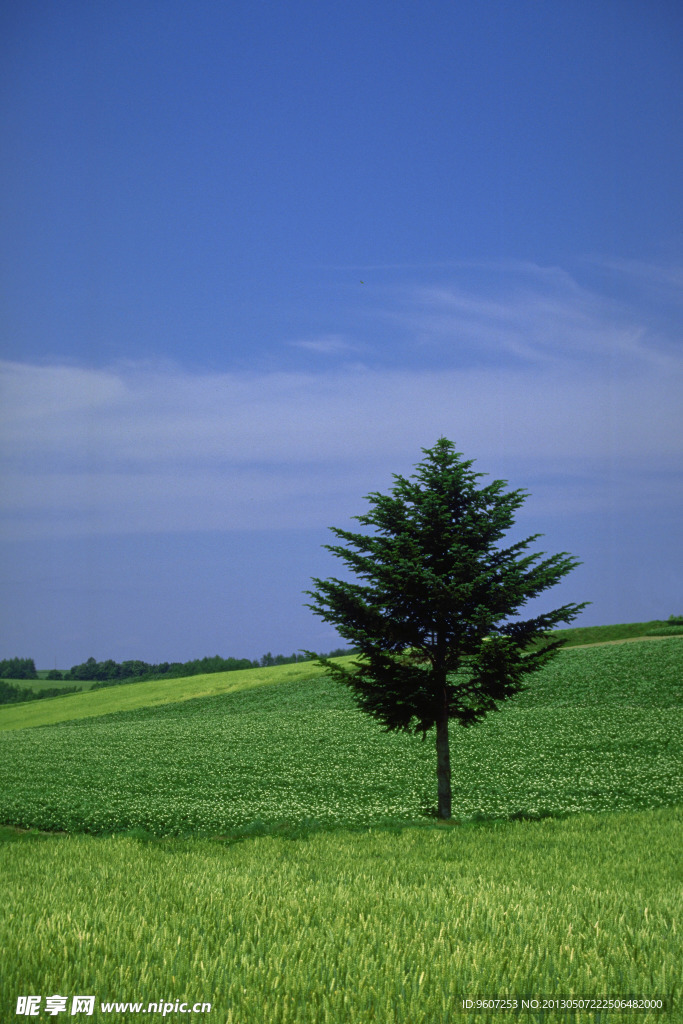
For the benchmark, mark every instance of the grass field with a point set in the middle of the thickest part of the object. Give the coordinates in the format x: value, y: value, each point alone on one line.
x: 154, y: 693
x: 599, y: 729
x: 580, y: 635
x: 47, y: 684
x: 323, y: 888
x: 390, y: 925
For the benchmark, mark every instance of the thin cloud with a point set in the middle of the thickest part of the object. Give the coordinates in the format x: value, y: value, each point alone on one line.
x: 563, y: 388
x: 326, y: 345
x: 187, y: 452
x: 529, y: 315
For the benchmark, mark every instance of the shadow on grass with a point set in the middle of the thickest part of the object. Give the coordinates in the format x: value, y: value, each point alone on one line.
x: 292, y: 830
x: 307, y: 828
x: 14, y: 834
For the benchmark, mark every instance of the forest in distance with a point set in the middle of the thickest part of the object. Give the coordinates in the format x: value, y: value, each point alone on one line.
x: 112, y: 673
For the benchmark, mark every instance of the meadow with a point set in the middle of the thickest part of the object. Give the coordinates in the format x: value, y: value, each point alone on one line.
x: 600, y: 729
x: 388, y: 925
x: 270, y: 850
x: 153, y: 693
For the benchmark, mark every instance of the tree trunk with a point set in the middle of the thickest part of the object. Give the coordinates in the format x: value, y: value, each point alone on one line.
x: 443, y: 761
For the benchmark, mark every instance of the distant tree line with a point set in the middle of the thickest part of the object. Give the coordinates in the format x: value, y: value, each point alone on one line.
x: 111, y: 673
x: 18, y: 668
x: 281, y: 659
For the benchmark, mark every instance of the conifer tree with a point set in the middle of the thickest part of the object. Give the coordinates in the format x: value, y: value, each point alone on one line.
x: 431, y: 614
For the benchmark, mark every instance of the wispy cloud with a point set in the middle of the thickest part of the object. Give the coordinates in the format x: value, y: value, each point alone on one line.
x: 586, y: 412
x: 530, y: 315
x: 326, y: 345
x: 184, y: 452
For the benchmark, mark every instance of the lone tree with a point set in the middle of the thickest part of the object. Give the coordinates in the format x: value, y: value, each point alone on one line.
x: 429, y: 622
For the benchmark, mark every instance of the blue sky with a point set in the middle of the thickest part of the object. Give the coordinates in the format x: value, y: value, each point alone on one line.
x: 257, y: 256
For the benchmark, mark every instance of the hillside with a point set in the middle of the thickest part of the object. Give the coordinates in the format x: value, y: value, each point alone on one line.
x: 600, y: 728
x: 558, y: 875
x: 169, y: 690
x: 580, y: 635
x: 154, y: 693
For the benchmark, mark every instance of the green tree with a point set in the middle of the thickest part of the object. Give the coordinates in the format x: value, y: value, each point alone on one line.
x: 430, y: 617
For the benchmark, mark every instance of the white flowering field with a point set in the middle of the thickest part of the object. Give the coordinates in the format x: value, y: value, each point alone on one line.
x: 600, y: 729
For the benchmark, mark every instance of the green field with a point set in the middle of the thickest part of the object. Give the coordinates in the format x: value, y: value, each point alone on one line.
x: 41, y: 683
x: 386, y: 926
x: 154, y: 693
x: 599, y: 729
x: 282, y: 860
x: 580, y: 635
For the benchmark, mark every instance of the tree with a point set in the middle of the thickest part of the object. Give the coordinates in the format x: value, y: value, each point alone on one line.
x: 430, y: 621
